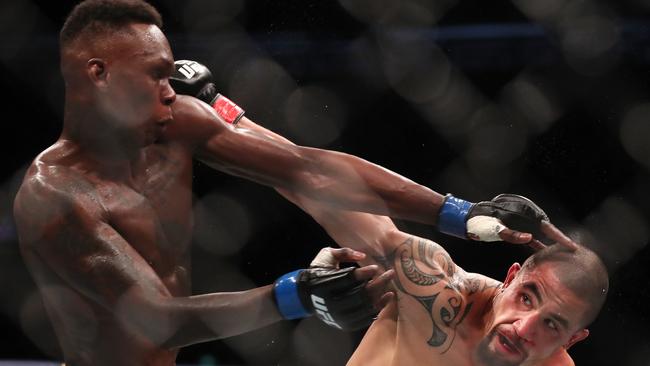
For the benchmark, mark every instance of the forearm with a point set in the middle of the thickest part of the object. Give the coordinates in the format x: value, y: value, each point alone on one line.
x: 371, y: 188
x: 406, y: 205
x: 335, y: 179
x: 373, y: 234
x: 177, y: 322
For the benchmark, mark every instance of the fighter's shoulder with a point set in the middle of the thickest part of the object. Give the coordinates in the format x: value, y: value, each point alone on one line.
x: 478, y: 286
x: 414, y: 249
x: 50, y: 193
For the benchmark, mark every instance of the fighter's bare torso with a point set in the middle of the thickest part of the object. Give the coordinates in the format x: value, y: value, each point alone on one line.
x: 151, y: 210
x: 440, y: 315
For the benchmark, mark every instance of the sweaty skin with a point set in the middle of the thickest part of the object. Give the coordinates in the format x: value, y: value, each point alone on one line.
x: 104, y: 214
x: 442, y: 312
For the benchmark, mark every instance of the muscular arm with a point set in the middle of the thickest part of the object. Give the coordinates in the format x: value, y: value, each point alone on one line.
x: 374, y: 234
x: 71, y: 235
x: 332, y: 178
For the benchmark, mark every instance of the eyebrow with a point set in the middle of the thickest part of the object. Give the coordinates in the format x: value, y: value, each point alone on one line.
x: 532, y: 287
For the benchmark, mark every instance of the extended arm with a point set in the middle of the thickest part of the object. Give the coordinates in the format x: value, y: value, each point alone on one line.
x: 337, y: 180
x: 71, y: 235
x: 73, y: 238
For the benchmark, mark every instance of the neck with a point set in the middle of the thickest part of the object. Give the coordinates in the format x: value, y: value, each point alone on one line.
x: 98, y: 140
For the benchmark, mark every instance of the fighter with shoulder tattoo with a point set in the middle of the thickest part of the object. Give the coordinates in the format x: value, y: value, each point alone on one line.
x: 104, y: 215
x: 447, y: 316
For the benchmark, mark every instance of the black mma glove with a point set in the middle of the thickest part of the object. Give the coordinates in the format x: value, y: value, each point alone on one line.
x: 333, y: 295
x: 194, y: 79
x: 484, y: 220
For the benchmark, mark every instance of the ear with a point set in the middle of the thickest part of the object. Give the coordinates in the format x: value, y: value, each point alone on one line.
x: 512, y: 273
x: 97, y: 72
x: 577, y: 337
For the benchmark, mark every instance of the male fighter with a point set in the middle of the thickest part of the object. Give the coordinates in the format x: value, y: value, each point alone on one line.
x: 446, y: 316
x: 104, y: 214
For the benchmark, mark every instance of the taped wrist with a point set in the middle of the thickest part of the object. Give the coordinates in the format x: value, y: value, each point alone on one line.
x: 226, y: 109
x: 515, y: 211
x: 452, y: 217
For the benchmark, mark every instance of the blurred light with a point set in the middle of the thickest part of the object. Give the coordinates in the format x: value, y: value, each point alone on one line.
x: 451, y: 111
x: 538, y: 107
x: 415, y: 13
x: 363, y: 58
x: 620, y: 230
x: 635, y: 133
x: 315, y: 115
x: 229, y: 50
x: 223, y: 225
x: 261, y: 87
x: 457, y: 179
x: 540, y: 9
x: 410, y: 13
x: 414, y: 67
x: 588, y: 42
x: 210, y: 16
x: 371, y: 11
x: 493, y: 140
x: 17, y: 22
x: 589, y: 36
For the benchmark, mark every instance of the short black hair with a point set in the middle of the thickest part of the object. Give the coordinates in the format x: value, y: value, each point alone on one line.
x: 106, y: 15
x: 581, y: 271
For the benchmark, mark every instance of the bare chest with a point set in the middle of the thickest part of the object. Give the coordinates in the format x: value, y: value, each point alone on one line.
x: 154, y: 214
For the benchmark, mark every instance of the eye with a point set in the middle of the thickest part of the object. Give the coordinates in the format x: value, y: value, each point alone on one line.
x: 160, y: 74
x: 551, y: 324
x: 526, y: 300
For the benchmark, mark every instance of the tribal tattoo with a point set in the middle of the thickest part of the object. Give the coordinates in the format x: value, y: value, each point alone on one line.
x: 427, y: 274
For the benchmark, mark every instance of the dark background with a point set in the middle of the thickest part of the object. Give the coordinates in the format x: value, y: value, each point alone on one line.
x: 543, y: 98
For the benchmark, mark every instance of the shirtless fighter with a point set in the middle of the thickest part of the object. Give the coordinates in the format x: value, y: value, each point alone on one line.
x: 445, y: 315
x: 104, y: 215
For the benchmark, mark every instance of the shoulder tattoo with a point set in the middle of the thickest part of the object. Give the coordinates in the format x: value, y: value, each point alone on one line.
x: 426, y: 273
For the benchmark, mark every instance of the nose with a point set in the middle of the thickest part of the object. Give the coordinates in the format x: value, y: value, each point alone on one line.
x: 526, y: 327
x: 168, y: 95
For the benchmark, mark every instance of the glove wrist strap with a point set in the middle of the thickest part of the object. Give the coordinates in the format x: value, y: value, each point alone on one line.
x: 226, y: 109
x: 453, y: 216
x: 287, y: 298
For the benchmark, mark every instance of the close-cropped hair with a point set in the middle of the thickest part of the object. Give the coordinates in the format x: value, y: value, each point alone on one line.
x: 581, y: 271
x: 97, y: 16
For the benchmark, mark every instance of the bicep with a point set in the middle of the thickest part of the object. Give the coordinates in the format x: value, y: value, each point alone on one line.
x: 91, y: 257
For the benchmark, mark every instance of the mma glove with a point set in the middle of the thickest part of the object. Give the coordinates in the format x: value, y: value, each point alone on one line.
x: 194, y: 79
x: 485, y: 220
x: 333, y: 295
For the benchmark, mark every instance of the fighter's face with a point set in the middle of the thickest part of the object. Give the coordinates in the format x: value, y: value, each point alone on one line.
x: 534, y: 315
x: 137, y: 96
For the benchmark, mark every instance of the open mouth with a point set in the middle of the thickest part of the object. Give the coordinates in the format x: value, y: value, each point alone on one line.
x: 508, y: 345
